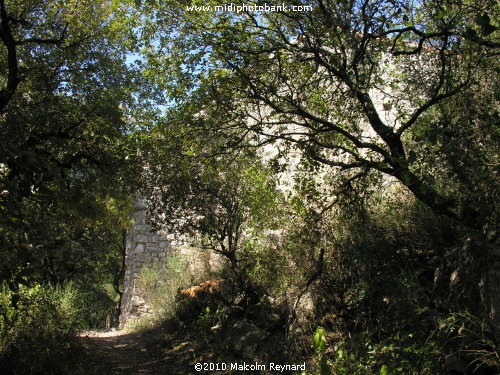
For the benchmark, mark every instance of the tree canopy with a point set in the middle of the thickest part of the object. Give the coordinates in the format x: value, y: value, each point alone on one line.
x: 353, y: 84
x: 63, y: 132
x: 380, y: 115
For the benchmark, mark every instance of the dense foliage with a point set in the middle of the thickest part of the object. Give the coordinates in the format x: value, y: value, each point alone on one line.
x: 65, y: 171
x: 342, y: 161
x: 385, y: 113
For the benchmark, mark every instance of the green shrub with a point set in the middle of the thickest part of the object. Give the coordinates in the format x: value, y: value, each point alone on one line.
x: 159, y: 287
x: 472, y: 339
x: 177, y: 276
x: 376, y: 299
x: 37, y: 336
x: 94, y: 304
x: 400, y: 354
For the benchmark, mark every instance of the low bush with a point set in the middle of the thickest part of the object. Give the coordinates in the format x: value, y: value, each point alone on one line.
x: 37, y: 332
x: 159, y: 287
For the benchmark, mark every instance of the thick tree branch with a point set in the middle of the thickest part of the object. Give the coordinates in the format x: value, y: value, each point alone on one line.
x: 54, y: 41
x: 6, y: 93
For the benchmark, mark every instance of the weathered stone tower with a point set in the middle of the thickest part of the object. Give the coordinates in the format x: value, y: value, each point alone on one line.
x: 143, y: 246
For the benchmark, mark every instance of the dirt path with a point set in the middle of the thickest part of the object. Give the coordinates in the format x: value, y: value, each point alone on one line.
x: 131, y: 353
x: 120, y: 353
x: 172, y: 349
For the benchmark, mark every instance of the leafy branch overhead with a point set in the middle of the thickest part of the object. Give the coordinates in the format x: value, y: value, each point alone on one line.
x: 64, y: 146
x: 348, y: 84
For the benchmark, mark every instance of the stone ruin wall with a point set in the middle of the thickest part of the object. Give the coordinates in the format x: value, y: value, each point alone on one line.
x: 143, y: 247
x: 147, y: 247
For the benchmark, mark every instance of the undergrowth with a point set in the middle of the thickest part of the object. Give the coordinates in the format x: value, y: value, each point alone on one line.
x: 37, y: 335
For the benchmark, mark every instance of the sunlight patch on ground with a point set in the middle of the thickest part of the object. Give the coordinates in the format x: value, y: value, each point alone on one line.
x: 120, y: 332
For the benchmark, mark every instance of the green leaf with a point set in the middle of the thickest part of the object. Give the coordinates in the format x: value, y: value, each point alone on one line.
x: 319, y: 340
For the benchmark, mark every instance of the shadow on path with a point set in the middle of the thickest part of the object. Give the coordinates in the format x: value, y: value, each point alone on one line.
x: 173, y: 348
x: 149, y: 352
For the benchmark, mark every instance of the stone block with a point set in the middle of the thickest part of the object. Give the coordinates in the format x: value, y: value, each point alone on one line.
x: 139, y: 249
x: 141, y: 238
